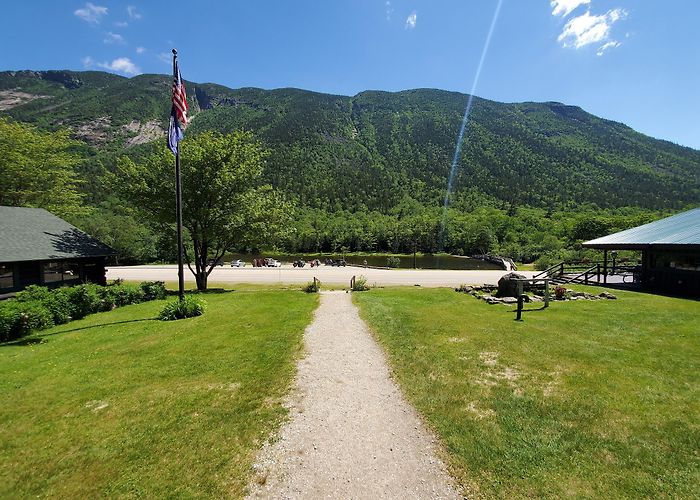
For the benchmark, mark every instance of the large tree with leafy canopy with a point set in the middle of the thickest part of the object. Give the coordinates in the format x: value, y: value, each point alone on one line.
x: 225, y: 205
x: 37, y: 169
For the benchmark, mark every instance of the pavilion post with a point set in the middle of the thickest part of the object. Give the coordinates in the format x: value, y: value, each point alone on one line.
x: 605, y: 266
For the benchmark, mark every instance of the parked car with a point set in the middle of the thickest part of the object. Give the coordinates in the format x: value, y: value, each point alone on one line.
x: 272, y: 262
x: 237, y: 263
x: 218, y: 262
x: 300, y: 263
x: 339, y: 263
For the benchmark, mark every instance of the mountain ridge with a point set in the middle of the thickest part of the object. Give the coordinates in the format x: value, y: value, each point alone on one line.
x: 56, y: 74
x: 387, y: 145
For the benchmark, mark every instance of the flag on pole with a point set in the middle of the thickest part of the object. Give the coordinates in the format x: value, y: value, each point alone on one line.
x: 178, y: 113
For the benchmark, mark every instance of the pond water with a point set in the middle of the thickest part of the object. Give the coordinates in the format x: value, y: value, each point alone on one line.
x: 374, y: 260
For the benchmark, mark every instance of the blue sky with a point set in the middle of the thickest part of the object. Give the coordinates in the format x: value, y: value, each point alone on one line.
x: 637, y: 62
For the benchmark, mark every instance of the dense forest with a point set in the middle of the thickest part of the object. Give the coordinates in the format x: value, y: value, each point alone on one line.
x: 369, y: 172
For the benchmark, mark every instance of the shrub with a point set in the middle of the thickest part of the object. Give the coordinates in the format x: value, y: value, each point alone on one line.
x: 37, y: 307
x: 55, y: 301
x: 35, y: 316
x: 85, y: 299
x: 153, y: 290
x: 19, y: 318
x: 312, y: 287
x: 10, y: 322
x: 360, y: 285
x: 33, y: 292
x: 121, y: 295
x: 190, y: 307
x: 393, y: 262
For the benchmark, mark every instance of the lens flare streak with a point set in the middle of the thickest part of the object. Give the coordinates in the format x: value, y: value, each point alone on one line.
x: 465, y: 125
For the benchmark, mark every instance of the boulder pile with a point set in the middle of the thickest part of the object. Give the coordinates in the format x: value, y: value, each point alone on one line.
x: 492, y: 294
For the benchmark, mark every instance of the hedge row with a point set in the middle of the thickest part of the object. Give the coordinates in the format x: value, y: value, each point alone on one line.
x: 37, y: 307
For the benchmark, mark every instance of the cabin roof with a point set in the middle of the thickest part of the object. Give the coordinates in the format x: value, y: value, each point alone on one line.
x: 677, y: 231
x: 30, y: 234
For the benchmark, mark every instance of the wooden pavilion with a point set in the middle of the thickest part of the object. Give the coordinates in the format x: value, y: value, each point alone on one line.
x: 670, y: 251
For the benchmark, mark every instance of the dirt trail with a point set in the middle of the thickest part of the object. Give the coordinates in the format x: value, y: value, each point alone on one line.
x: 351, y: 434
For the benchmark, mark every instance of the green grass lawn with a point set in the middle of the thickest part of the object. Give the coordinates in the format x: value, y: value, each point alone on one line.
x: 585, y: 399
x: 120, y: 404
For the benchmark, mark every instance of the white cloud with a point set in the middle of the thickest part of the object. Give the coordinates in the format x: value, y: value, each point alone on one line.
x: 612, y: 44
x: 140, y: 50
x: 565, y: 7
x: 133, y: 13
x: 91, y: 13
x: 411, y: 20
x: 165, y: 57
x: 121, y: 24
x: 114, y: 38
x: 88, y: 62
x: 121, y: 65
x: 587, y: 29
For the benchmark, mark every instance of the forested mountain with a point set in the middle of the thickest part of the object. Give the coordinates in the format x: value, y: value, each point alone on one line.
x: 376, y: 152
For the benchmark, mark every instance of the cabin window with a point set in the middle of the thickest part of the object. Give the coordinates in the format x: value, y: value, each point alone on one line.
x: 7, y: 276
x: 61, y: 272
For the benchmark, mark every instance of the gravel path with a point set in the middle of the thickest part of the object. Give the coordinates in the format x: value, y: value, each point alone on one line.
x: 351, y: 434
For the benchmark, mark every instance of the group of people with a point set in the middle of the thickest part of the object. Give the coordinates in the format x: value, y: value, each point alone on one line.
x: 266, y: 262
x: 301, y: 263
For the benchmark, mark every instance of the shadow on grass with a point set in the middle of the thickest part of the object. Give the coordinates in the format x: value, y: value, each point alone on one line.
x: 530, y: 310
x: 24, y: 341
x: 209, y: 291
x: 41, y: 339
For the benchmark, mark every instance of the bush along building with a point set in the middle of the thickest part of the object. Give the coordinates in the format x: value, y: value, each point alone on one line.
x: 38, y: 248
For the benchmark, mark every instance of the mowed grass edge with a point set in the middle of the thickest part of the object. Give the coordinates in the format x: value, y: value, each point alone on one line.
x: 120, y: 404
x: 585, y: 399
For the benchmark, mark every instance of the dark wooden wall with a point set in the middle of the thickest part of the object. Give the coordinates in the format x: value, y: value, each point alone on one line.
x: 92, y: 270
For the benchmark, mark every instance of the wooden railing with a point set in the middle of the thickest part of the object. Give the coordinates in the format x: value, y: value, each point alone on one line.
x: 587, y: 273
x: 550, y: 271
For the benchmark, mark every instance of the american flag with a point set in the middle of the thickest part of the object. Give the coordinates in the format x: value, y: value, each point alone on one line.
x: 178, y: 113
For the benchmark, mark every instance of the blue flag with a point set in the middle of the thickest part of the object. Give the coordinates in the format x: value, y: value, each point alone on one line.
x: 175, y: 133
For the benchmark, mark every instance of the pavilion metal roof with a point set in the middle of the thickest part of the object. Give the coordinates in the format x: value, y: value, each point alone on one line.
x: 28, y: 234
x: 679, y: 230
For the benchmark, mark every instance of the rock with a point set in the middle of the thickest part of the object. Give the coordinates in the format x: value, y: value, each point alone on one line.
x: 607, y: 295
x: 507, y: 286
x: 509, y: 300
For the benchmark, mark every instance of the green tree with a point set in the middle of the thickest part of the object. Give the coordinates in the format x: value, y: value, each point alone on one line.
x: 132, y: 240
x: 37, y: 169
x: 224, y: 203
x: 589, y: 227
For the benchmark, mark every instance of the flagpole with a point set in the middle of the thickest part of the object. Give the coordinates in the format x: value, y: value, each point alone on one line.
x: 178, y: 209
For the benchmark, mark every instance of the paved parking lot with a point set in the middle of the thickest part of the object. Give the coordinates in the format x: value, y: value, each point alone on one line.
x: 327, y: 274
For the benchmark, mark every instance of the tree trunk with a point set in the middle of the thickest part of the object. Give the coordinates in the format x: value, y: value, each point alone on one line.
x: 201, y: 279
x: 202, y: 274
x: 200, y: 264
